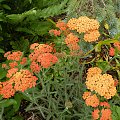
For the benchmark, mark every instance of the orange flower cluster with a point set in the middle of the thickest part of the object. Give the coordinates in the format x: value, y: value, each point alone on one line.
x: 13, y: 55
x: 55, y: 32
x: 91, y: 100
x: 101, y: 84
x: 85, y: 25
x: 105, y: 104
x: 41, y: 57
x: 61, y: 25
x: 71, y: 39
x: 105, y: 114
x: 117, y: 45
x: 20, y: 81
x: 15, y: 58
x: 95, y: 114
x: 72, y: 43
x: 112, y: 51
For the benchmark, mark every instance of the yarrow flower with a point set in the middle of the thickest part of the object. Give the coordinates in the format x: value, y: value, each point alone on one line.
x: 117, y: 45
x: 92, y: 101
x: 112, y: 51
x: 16, y: 56
x: 61, y: 25
x: 55, y: 32
x: 35, y: 67
x: 71, y: 39
x: 19, y: 81
x: 105, y: 104
x: 85, y: 25
x: 47, y: 59
x: 7, y: 89
x: 11, y: 71
x: 24, y: 80
x: 41, y: 57
x: 101, y: 84
x: 72, y: 23
x: 106, y: 114
x: 13, y: 64
x: 86, y: 95
x: 91, y: 36
x: 95, y: 114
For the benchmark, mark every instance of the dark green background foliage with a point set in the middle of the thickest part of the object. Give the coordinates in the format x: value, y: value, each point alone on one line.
x: 29, y: 19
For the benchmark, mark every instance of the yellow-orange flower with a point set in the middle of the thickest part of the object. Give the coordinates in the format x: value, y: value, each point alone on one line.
x: 72, y: 23
x: 23, y: 80
x: 93, y: 71
x: 102, y: 84
x: 92, y: 101
x: 95, y: 114
x: 92, y: 36
x: 86, y: 95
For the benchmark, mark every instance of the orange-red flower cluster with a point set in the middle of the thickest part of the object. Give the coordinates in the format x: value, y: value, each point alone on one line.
x: 19, y: 81
x: 61, y: 25
x: 101, y: 84
x: 14, y: 58
x: 41, y: 57
x: 85, y: 25
x: 90, y: 100
x: 117, y: 45
x: 55, y: 32
x: 93, y: 101
x: 13, y: 55
x: 112, y: 51
x: 105, y: 114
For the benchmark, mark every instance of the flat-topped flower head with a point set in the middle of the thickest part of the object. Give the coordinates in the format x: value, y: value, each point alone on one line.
x: 86, y: 95
x: 92, y: 36
x: 24, y: 80
x: 101, y: 84
x: 71, y: 39
x: 106, y: 114
x: 47, y: 59
x: 15, y: 56
x: 95, y: 114
x: 7, y: 89
x: 72, y: 23
x: 11, y: 72
x: 35, y: 67
x: 92, y: 101
x: 55, y: 32
x: 92, y: 71
x: 61, y: 25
